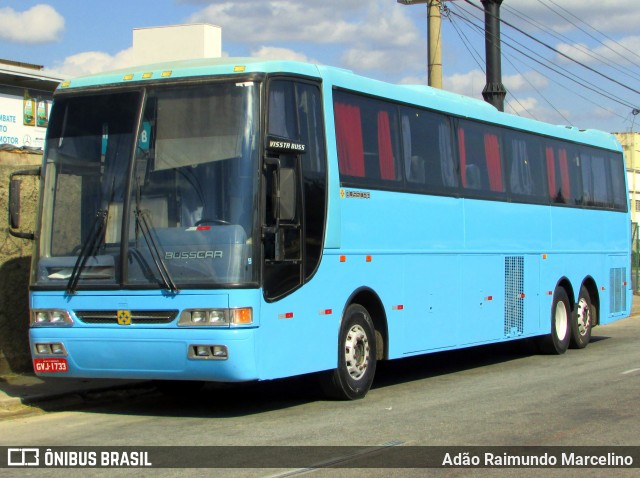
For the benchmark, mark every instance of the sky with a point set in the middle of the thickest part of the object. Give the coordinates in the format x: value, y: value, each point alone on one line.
x: 573, y: 62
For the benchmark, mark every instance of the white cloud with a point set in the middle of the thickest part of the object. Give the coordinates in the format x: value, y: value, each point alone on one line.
x: 316, y: 22
x: 609, y: 16
x: 373, y: 34
x: 40, y: 24
x: 92, y: 62
x: 470, y: 83
x: 519, y: 82
x: 522, y: 107
x: 622, y: 51
x: 275, y: 53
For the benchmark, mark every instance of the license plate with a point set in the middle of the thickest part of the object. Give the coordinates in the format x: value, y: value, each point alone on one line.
x: 50, y: 365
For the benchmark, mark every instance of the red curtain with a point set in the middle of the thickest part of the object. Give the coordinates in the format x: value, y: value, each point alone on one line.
x: 492, y: 155
x: 564, y: 173
x: 349, y: 139
x: 385, y: 151
x: 551, y: 173
x: 463, y: 157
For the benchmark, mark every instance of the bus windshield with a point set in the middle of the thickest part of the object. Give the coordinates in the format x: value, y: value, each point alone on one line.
x: 151, y: 188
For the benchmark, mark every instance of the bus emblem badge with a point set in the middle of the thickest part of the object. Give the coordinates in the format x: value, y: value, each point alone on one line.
x: 124, y: 317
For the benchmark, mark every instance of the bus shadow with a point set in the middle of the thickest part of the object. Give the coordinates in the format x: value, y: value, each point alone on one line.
x: 436, y: 364
x: 214, y: 400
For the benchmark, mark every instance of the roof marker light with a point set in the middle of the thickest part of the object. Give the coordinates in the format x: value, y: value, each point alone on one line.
x: 166, y: 74
x: 146, y: 76
x: 239, y: 68
x: 128, y: 77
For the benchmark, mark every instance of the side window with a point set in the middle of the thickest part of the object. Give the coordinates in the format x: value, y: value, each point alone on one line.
x: 595, y: 179
x: 575, y: 177
x: 619, y: 188
x: 480, y: 158
x: 282, y: 110
x: 563, y: 175
x: 526, y: 167
x: 366, y: 140
x: 429, y: 162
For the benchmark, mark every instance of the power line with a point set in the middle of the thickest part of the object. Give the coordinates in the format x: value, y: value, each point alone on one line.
x: 477, y: 57
x: 616, y: 66
x: 587, y: 33
x: 531, y: 37
x: 558, y: 70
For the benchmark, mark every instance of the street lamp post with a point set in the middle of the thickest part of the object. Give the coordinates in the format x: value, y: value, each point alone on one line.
x: 435, y: 39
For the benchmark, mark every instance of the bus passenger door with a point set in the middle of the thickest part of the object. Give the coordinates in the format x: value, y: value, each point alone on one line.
x: 294, y: 186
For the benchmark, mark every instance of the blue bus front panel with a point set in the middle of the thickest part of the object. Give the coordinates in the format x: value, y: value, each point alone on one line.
x: 106, y: 349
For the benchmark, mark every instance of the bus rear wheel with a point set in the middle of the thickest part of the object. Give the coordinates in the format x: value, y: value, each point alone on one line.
x: 582, y: 321
x: 356, y: 357
x: 557, y: 341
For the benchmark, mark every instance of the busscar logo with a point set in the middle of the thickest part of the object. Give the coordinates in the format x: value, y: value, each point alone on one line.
x: 169, y: 255
x: 23, y: 457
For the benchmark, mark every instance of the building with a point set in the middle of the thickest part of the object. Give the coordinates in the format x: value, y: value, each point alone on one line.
x: 25, y: 101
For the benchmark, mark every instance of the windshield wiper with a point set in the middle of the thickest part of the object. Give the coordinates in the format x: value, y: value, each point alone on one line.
x: 147, y: 233
x: 89, y: 248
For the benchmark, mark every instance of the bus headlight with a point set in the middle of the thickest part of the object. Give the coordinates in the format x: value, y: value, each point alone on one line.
x: 50, y: 317
x: 216, y: 317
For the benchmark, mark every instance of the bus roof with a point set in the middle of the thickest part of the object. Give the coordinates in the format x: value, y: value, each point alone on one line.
x: 419, y: 95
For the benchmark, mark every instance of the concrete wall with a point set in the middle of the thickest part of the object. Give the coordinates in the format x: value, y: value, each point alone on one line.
x: 15, y: 261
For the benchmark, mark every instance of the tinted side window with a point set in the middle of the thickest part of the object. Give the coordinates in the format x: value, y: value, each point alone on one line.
x: 480, y: 154
x: 367, y: 140
x: 618, y: 184
x: 429, y: 161
x: 525, y: 165
x: 595, y: 179
x: 564, y: 178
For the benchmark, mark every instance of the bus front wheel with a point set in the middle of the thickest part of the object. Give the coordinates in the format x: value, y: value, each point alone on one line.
x: 583, y: 320
x: 356, y: 357
x: 557, y: 341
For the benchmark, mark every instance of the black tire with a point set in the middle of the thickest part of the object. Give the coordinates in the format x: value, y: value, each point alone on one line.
x: 356, y: 357
x: 557, y: 342
x: 584, y: 317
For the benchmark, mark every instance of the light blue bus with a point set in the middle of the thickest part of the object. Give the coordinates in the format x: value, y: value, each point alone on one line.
x: 236, y: 220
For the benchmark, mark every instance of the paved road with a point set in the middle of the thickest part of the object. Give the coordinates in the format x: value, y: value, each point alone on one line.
x: 493, y: 395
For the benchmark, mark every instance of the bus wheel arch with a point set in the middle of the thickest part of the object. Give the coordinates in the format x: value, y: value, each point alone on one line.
x: 368, y: 299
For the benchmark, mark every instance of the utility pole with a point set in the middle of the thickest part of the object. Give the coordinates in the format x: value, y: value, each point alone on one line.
x: 434, y: 68
x: 494, y: 91
x: 435, y: 43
